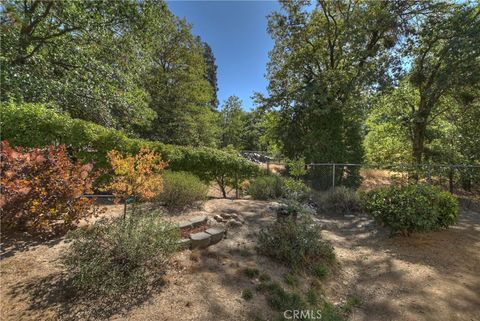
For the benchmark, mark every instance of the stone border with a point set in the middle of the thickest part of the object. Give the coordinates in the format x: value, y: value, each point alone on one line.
x: 200, y: 240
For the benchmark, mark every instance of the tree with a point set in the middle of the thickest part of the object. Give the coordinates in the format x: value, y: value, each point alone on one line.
x: 211, y: 72
x: 175, y: 80
x: 446, y: 58
x: 232, y: 123
x: 323, y: 66
x: 79, y: 55
x: 129, y: 65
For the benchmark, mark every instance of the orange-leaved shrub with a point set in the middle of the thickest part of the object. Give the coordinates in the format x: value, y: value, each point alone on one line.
x: 41, y: 189
x: 138, y: 176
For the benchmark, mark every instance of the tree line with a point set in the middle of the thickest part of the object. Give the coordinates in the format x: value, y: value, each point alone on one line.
x: 349, y: 81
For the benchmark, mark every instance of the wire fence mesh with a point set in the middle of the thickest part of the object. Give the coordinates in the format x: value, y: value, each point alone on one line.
x: 456, y: 178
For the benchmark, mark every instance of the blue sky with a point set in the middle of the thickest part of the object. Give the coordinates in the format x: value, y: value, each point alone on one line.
x: 237, y: 33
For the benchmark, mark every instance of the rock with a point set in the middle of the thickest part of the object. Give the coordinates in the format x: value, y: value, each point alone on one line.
x: 216, y: 234
x: 184, y: 224
x: 226, y: 215
x: 248, y: 214
x: 235, y: 217
x: 185, y: 243
x: 349, y: 216
x: 198, y: 220
x: 200, y: 240
x: 218, y: 218
x: 233, y: 223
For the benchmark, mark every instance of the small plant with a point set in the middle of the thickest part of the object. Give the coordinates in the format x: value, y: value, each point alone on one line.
x: 113, y: 257
x: 41, y: 190
x: 182, y: 189
x: 297, y: 244
x: 264, y: 277
x: 321, y: 271
x: 351, y: 303
x: 247, y: 294
x: 295, y: 189
x: 251, y: 272
x: 340, y: 200
x: 291, y: 279
x: 312, y: 296
x: 412, y: 208
x: 266, y: 187
x: 136, y: 176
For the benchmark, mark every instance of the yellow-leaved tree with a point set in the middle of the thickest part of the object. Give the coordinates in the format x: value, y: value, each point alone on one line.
x: 137, y: 177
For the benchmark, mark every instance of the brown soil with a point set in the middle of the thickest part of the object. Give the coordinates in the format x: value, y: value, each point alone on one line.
x: 433, y: 276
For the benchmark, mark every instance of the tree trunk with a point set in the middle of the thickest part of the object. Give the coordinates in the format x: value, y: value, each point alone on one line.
x: 419, y: 130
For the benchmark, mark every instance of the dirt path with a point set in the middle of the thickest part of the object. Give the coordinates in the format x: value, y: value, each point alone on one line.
x: 434, y: 276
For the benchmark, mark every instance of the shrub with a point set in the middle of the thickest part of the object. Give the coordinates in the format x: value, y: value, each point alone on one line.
x: 41, y: 189
x: 181, y: 189
x: 251, y: 272
x: 321, y: 271
x: 295, y: 189
x: 266, y: 187
x: 297, y: 244
x: 339, y: 200
x: 34, y: 125
x: 136, y: 176
x: 247, y: 294
x: 113, y: 257
x: 412, y: 208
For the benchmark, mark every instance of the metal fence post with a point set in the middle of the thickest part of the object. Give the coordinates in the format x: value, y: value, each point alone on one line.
x: 333, y: 176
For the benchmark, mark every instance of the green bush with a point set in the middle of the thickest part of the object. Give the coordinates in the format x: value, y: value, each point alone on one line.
x: 34, y: 125
x: 412, y: 208
x: 275, y: 186
x: 339, y: 200
x: 295, y: 189
x: 297, y: 244
x: 266, y: 187
x: 247, y: 294
x: 182, y: 189
x: 113, y: 257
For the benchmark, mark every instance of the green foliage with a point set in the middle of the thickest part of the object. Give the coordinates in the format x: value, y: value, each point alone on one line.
x: 291, y: 279
x: 275, y: 186
x: 412, y: 208
x: 113, y: 257
x: 36, y: 125
x: 296, y: 244
x: 295, y: 189
x: 266, y: 187
x: 444, y: 62
x: 247, y: 294
x: 232, y: 122
x: 281, y: 300
x: 318, y: 79
x: 340, y: 200
x: 111, y: 63
x: 182, y: 189
x: 321, y: 271
x: 251, y: 272
x: 296, y: 167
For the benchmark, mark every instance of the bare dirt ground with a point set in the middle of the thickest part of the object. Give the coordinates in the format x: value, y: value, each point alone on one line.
x: 433, y: 276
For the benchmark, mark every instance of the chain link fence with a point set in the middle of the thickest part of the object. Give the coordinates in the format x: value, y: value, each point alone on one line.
x: 454, y: 178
